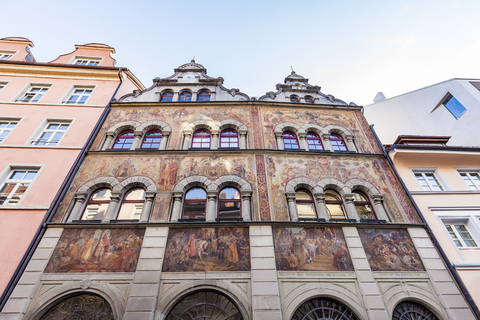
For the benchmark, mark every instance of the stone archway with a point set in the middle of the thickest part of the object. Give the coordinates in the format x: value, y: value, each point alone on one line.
x: 323, y: 309
x: 85, y: 306
x: 205, y: 304
x: 407, y: 310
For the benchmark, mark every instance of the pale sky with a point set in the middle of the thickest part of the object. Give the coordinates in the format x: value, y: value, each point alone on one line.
x: 352, y: 49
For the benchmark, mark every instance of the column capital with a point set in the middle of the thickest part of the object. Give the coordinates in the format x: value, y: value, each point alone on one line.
x: 291, y: 196
x: 187, y: 133
x: 150, y: 195
x: 80, y: 196
x: 348, y: 197
x: 246, y: 194
x: 349, y: 137
x: 212, y: 195
x: 115, y: 197
x: 279, y: 134
x: 319, y: 196
x: 326, y: 136
x: 178, y: 195
x: 215, y: 132
x: 242, y: 132
x: 110, y: 134
x: 302, y: 135
x: 137, y: 133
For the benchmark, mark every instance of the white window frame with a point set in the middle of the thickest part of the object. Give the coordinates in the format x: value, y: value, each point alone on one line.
x: 72, y: 93
x: 9, y: 120
x: 436, y: 174
x: 5, y: 178
x: 468, y: 172
x: 458, y: 236
x: 28, y: 92
x: 3, y: 84
x: 54, y: 131
x: 95, y: 60
x: 5, y: 53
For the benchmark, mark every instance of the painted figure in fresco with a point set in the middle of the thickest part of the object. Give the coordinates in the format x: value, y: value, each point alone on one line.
x: 169, y: 173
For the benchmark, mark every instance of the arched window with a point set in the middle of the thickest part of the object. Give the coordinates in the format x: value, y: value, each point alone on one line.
x: 338, y: 144
x: 132, y: 205
x: 309, y: 99
x: 124, y: 140
x: 201, y: 139
x: 314, y: 141
x: 205, y: 305
x: 195, y: 204
x: 85, y: 306
x: 305, y: 205
x: 97, y: 205
x: 294, y: 99
x: 203, y: 96
x: 334, y: 204
x: 185, y: 96
x: 363, y: 206
x: 152, y: 139
x: 407, y: 310
x: 324, y: 309
x: 290, y: 140
x: 229, y: 139
x: 229, y: 204
x: 167, y: 96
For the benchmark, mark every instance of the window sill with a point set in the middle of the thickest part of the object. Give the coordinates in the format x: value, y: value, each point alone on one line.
x: 200, y: 149
x: 191, y: 220
x: 466, y: 265
x: 344, y: 151
x: 87, y: 221
x: 229, y: 149
x: 320, y: 151
x: 294, y: 150
x: 342, y: 220
x: 229, y: 219
x: 445, y: 192
x: 124, y: 221
x: 17, y: 207
x: 373, y: 221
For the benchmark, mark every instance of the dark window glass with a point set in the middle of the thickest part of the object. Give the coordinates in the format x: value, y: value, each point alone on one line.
x: 195, y: 204
x: 201, y: 139
x: 338, y: 144
x: 309, y: 100
x: 166, y: 96
x: 124, y: 140
x: 314, y: 141
x: 290, y: 140
x: 152, y: 139
x: 229, y: 139
x: 229, y: 203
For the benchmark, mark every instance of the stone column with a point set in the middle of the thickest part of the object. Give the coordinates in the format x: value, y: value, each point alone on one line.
x: 76, y: 212
x: 194, y: 96
x: 321, y: 206
x: 279, y: 138
x: 187, y: 139
x: 108, y: 141
x: 163, y: 143
x: 350, y: 207
x: 137, y: 140
x: 177, y: 206
x: 265, y: 291
x: 303, y: 141
x: 243, y: 139
x: 326, y: 141
x: 246, y: 207
x: 175, y: 96
x: 349, y: 142
x: 214, y: 144
x: 378, y: 207
x: 112, y: 208
x: 210, y: 215
x: 147, y: 206
x: 292, y: 206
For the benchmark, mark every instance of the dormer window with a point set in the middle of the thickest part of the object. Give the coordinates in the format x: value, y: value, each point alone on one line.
x: 167, y: 96
x: 5, y: 55
x: 309, y: 99
x: 88, y: 61
x: 203, y: 96
x: 294, y: 99
x: 185, y: 96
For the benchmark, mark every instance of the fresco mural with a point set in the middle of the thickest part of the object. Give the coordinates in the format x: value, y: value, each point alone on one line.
x: 207, y: 249
x: 311, y: 249
x: 96, y: 250
x: 390, y: 250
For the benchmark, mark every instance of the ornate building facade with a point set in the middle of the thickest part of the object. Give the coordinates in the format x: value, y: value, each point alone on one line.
x: 198, y: 202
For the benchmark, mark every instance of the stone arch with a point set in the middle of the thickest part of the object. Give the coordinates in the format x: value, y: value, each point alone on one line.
x: 297, y: 183
x: 189, y: 182
x: 59, y: 293
x: 337, y: 129
x: 286, y: 126
x: 310, y: 291
x: 201, y: 124
x: 313, y: 127
x: 332, y: 184
x: 178, y: 292
x: 136, y: 181
x: 357, y: 184
x: 231, y: 123
x: 155, y: 124
x: 224, y: 181
x: 102, y: 182
x: 116, y: 129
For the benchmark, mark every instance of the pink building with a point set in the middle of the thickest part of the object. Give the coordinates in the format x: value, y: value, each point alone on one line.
x: 47, y: 112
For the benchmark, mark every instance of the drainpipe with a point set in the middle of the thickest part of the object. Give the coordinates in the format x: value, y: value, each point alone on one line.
x: 453, y: 272
x: 56, y: 202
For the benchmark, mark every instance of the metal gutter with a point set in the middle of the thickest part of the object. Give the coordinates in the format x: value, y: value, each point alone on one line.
x: 56, y: 201
x: 452, y: 270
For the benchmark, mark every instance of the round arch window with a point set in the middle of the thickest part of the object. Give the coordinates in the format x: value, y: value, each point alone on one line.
x: 229, y: 139
x: 201, y: 139
x: 334, y: 204
x: 195, y: 204
x: 97, y: 205
x: 305, y: 205
x: 294, y: 99
x: 85, y: 306
x: 124, y: 140
x: 185, y: 96
x: 290, y: 140
x: 309, y: 100
x: 132, y: 205
x: 152, y: 139
x: 407, y: 310
x: 338, y: 144
x: 205, y: 305
x: 229, y: 204
x: 314, y: 141
x: 363, y: 206
x: 167, y: 96
x: 203, y: 96
x: 323, y: 309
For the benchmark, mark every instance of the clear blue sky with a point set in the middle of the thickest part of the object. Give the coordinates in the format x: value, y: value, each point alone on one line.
x: 352, y: 49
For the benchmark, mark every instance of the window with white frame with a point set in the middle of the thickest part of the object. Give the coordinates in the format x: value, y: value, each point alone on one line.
x: 14, y: 187
x: 34, y: 94
x: 5, y: 55
x: 2, y: 85
x: 52, y: 134
x: 460, y: 235
x: 471, y: 179
x: 88, y: 61
x: 79, y: 95
x: 6, y: 126
x: 428, y: 180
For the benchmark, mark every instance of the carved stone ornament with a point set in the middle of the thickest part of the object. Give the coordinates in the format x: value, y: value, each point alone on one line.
x: 82, y: 307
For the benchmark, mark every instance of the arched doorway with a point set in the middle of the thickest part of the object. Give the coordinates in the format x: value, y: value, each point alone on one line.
x: 323, y: 309
x: 80, y: 307
x: 203, y: 305
x: 409, y: 310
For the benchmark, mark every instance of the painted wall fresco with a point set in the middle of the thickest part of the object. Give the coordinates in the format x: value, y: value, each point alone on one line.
x: 390, y: 250
x: 311, y: 249
x: 96, y: 250
x: 207, y: 249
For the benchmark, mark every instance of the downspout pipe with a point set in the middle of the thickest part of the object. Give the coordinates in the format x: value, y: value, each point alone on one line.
x: 56, y: 201
x: 452, y: 270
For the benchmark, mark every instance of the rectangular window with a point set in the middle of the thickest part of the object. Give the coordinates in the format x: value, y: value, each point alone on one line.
x: 428, y: 181
x: 453, y: 106
x: 51, y: 135
x: 2, y: 85
x: 34, y: 94
x: 471, y: 179
x: 5, y: 55
x: 15, y: 186
x: 6, y: 126
x: 460, y: 235
x: 88, y: 62
x: 79, y: 96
